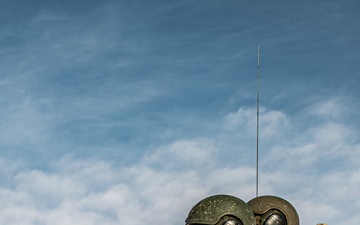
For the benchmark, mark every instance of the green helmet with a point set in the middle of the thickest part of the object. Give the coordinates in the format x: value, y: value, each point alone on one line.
x: 221, y: 210
x: 270, y: 210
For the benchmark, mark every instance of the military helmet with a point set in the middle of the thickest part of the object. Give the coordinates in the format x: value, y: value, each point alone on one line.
x: 221, y: 210
x: 272, y: 210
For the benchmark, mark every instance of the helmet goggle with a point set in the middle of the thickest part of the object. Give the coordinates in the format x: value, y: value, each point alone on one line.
x: 229, y: 220
x: 226, y: 220
x: 271, y: 217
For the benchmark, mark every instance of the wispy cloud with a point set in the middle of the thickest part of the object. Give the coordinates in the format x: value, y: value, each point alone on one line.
x: 131, y: 112
x: 172, y: 178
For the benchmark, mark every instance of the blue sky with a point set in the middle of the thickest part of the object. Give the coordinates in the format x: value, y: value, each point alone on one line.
x: 116, y: 112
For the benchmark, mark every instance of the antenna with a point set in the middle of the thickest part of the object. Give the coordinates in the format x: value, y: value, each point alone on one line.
x: 257, y: 124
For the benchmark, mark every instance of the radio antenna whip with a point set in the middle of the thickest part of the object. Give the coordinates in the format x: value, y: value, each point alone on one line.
x: 257, y: 124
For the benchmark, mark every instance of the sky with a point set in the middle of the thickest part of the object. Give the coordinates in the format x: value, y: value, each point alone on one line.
x: 131, y: 112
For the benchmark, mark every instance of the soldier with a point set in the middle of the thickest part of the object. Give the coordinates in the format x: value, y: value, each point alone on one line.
x: 221, y: 210
x: 272, y: 210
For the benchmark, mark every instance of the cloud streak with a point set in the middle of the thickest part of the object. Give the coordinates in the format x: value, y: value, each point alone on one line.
x: 163, y: 185
x: 131, y: 112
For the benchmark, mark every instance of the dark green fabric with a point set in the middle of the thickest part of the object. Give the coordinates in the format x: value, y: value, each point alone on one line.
x: 211, y: 209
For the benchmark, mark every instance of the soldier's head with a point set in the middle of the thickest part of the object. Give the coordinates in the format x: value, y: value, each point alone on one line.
x: 221, y: 210
x: 272, y: 210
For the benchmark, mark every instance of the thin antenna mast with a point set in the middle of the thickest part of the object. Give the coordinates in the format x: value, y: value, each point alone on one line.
x: 257, y: 124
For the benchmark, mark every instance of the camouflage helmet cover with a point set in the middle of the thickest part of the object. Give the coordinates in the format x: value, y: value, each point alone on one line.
x: 211, y: 209
x: 260, y: 205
